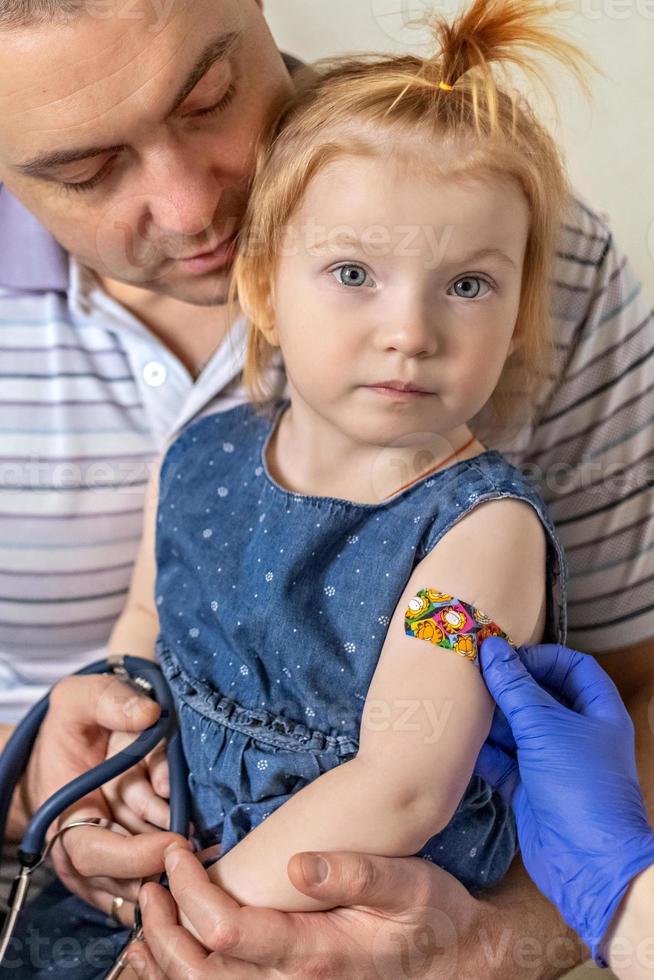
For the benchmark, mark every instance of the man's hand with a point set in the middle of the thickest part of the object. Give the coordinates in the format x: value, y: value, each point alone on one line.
x: 399, y: 918
x: 95, y: 864
x: 409, y: 920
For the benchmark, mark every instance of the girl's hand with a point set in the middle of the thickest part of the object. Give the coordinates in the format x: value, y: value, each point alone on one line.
x: 138, y: 798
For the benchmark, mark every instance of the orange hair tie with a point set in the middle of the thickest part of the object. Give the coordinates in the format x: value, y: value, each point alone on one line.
x: 445, y: 87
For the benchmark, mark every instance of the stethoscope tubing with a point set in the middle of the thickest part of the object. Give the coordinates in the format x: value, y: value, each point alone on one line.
x: 15, y: 757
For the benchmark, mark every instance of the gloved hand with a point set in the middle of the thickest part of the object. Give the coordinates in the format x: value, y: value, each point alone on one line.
x: 570, y: 774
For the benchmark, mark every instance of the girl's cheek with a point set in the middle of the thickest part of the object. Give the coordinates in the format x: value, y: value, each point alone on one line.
x: 473, y: 365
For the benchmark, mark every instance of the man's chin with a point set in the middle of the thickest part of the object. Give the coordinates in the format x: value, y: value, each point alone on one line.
x: 209, y: 290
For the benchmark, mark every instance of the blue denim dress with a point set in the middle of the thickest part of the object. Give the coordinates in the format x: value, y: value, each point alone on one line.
x: 273, y: 611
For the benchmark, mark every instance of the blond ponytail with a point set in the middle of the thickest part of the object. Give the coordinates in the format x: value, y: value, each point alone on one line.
x: 502, y: 32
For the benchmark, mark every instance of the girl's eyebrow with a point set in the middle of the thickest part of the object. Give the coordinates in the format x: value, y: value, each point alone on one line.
x: 345, y: 238
x: 486, y: 253
x: 491, y: 252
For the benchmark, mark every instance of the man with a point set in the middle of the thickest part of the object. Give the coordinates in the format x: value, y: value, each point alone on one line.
x: 127, y: 133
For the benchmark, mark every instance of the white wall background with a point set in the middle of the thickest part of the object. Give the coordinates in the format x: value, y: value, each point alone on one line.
x: 609, y: 143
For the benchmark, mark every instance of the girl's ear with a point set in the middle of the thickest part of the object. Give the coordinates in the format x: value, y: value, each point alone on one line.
x: 268, y: 326
x: 269, y: 331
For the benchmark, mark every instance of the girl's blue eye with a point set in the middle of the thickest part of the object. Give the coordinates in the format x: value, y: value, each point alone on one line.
x: 470, y: 287
x: 352, y: 275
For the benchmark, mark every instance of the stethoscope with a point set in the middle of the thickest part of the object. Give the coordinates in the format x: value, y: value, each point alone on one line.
x: 147, y: 677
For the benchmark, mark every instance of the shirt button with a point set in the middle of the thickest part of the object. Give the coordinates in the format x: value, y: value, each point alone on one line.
x: 154, y: 374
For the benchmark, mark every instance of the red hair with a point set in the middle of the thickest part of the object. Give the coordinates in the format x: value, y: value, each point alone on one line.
x: 353, y: 105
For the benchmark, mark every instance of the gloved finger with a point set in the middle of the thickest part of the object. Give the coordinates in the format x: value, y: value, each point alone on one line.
x: 499, y: 770
x: 508, y: 680
x: 587, y: 688
x: 157, y: 764
x: 501, y: 734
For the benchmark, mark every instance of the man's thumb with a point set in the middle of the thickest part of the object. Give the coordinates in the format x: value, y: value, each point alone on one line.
x: 104, y: 701
x: 349, y: 879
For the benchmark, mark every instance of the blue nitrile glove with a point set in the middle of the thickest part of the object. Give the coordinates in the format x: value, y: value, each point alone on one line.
x: 571, y: 778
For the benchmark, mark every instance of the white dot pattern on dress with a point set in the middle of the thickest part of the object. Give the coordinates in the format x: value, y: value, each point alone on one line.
x: 263, y: 516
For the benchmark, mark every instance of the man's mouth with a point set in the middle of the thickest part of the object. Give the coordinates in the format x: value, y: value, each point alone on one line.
x: 207, y: 261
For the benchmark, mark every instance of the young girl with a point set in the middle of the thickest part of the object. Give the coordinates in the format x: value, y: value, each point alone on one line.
x: 328, y: 564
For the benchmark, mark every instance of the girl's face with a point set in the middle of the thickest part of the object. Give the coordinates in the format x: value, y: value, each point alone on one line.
x: 388, y: 277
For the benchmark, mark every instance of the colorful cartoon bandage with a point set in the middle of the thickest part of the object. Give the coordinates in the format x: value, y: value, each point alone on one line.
x: 449, y: 623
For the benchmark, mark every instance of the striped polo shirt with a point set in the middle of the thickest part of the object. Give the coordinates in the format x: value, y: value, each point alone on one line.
x: 89, y: 396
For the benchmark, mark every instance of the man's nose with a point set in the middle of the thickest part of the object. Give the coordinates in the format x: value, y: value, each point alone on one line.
x: 183, y: 196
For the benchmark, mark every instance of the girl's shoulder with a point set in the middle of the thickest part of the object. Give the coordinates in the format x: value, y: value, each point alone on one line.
x: 482, y: 479
x: 486, y: 476
x: 493, y: 525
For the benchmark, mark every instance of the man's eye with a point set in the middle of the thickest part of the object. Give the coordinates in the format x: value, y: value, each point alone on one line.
x: 470, y: 287
x: 352, y: 275
x: 87, y: 185
x: 226, y: 100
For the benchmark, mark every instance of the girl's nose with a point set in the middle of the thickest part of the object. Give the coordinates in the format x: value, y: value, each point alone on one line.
x: 411, y: 331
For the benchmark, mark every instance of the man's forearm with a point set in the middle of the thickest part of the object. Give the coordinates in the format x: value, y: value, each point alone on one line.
x: 522, y: 934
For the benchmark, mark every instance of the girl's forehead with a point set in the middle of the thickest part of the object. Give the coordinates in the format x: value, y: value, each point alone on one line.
x: 405, y: 181
x: 370, y: 203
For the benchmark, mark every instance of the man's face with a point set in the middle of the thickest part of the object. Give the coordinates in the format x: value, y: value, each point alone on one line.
x: 149, y: 118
